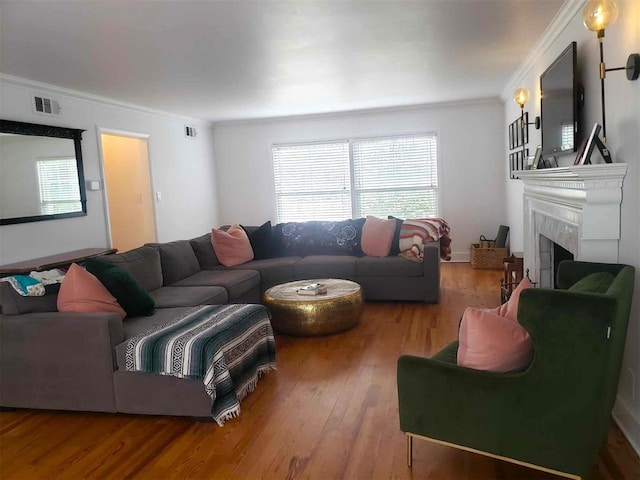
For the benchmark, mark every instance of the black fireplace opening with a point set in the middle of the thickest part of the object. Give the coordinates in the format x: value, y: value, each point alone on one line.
x: 559, y: 254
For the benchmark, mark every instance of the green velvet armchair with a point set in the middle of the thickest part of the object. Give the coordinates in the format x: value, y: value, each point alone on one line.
x: 554, y: 415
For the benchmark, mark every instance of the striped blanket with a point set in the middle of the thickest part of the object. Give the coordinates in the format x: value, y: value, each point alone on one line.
x: 415, y: 233
x: 228, y: 347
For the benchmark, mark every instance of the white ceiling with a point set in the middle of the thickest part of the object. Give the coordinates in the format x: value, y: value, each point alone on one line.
x: 227, y: 60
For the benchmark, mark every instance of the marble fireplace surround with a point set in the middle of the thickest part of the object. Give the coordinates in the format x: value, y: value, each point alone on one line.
x: 577, y: 207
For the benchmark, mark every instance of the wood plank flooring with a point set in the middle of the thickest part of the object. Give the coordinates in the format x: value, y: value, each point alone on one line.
x: 330, y: 411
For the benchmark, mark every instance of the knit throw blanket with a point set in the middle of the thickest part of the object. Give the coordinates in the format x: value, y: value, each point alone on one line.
x: 228, y: 347
x: 416, y: 232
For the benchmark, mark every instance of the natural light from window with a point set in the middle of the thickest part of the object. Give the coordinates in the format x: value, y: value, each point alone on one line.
x: 354, y: 178
x: 59, y: 188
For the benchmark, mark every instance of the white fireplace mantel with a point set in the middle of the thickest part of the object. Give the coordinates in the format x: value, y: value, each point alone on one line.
x: 577, y: 207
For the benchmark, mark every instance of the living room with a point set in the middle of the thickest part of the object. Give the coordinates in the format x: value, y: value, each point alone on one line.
x: 222, y: 176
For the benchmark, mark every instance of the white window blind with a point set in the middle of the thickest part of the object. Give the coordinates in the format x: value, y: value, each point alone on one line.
x: 396, y: 176
x: 347, y: 179
x: 59, y: 189
x: 312, y: 181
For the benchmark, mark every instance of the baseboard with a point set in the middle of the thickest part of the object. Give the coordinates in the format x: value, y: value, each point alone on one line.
x: 628, y: 423
x: 461, y: 257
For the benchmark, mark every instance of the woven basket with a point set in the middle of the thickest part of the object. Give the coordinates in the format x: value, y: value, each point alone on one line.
x: 489, y: 258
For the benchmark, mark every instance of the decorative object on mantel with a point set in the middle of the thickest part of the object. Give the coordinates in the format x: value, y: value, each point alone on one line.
x: 598, y: 15
x: 592, y: 141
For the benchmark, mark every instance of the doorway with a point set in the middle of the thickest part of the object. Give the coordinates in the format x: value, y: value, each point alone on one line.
x: 128, y: 190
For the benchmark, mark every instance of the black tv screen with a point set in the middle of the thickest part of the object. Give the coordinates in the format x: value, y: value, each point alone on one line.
x: 559, y: 104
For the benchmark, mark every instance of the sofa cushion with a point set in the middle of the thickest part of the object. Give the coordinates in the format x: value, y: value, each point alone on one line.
x: 130, y: 295
x: 169, y: 297
x: 204, y: 252
x: 273, y: 271
x: 232, y: 247
x: 237, y: 282
x: 377, y: 235
x: 598, y: 282
x: 15, y: 304
x: 491, y: 342
x: 318, y: 238
x: 142, y: 263
x: 260, y: 240
x: 82, y: 292
x: 388, y: 267
x: 325, y: 266
x: 178, y: 260
x: 137, y: 325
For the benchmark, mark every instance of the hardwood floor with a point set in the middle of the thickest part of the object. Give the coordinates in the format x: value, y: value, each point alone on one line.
x: 330, y: 411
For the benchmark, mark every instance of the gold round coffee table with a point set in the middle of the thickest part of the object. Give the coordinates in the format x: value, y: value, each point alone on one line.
x: 313, y: 315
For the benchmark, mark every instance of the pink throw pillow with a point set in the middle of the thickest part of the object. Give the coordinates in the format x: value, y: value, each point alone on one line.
x: 82, y: 292
x: 491, y: 342
x: 232, y: 247
x: 510, y: 309
x: 377, y: 235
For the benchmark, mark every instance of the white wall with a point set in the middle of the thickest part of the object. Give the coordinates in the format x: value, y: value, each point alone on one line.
x: 472, y: 178
x: 623, y: 139
x: 181, y: 168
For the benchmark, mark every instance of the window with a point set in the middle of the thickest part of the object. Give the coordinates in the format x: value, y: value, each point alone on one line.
x: 59, y: 188
x: 567, y: 136
x: 354, y: 178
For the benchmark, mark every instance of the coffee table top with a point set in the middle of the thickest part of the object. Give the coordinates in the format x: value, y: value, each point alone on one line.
x: 336, y: 288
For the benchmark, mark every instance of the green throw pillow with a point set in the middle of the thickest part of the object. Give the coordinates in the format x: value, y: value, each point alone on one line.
x: 595, y: 283
x: 130, y: 295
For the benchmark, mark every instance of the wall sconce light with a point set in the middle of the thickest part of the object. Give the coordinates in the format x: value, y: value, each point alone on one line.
x: 598, y: 15
x: 521, y: 97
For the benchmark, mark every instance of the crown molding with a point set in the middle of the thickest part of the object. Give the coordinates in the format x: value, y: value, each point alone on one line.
x: 89, y: 97
x: 366, y: 111
x: 566, y: 13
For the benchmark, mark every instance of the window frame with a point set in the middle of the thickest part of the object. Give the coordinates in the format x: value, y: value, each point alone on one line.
x: 435, y: 133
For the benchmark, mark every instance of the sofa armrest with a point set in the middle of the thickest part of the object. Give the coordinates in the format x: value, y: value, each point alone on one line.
x: 431, y: 266
x: 59, y: 360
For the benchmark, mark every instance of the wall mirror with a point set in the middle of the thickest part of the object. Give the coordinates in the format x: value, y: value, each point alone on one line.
x: 41, y: 174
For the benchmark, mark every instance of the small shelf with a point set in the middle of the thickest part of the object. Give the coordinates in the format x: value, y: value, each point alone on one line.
x: 53, y: 261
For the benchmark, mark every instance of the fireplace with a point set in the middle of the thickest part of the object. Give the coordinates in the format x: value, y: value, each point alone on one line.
x: 577, y: 208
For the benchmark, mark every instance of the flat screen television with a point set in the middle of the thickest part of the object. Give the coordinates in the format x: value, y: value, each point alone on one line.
x: 559, y: 106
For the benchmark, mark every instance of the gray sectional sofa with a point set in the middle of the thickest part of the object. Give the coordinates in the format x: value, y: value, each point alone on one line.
x: 75, y: 361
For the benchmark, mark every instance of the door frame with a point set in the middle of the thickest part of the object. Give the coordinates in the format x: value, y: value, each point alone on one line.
x: 105, y: 201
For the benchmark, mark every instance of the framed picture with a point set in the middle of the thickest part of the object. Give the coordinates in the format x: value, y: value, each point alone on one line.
x: 537, y: 157
x: 511, y: 137
x: 580, y: 154
x: 517, y: 161
x: 591, y: 143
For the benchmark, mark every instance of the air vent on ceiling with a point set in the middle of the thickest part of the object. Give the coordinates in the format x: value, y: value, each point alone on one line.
x: 190, y: 131
x: 46, y: 106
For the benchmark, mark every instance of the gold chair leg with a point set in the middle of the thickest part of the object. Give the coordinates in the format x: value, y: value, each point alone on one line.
x: 409, y: 449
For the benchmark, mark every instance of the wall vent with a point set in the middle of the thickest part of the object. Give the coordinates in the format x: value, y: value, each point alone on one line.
x: 190, y: 131
x: 45, y: 106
